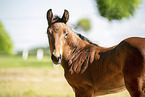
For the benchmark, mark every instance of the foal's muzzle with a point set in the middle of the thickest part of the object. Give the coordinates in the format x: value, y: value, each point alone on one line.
x: 56, y: 60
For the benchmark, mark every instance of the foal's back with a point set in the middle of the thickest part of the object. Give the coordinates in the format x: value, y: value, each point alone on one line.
x: 138, y: 43
x: 133, y: 68
x: 135, y: 49
x: 122, y: 63
x: 132, y: 51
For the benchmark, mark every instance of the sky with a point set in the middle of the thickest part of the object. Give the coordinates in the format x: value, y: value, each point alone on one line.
x: 25, y: 22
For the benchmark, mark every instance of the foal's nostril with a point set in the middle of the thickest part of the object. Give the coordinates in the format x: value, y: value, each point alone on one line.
x: 55, y: 59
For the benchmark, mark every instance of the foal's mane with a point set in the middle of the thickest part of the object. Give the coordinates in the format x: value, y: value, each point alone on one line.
x: 56, y: 19
x: 86, y: 39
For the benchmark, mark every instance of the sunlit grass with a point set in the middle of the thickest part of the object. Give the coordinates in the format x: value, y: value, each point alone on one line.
x: 33, y: 82
x: 32, y: 78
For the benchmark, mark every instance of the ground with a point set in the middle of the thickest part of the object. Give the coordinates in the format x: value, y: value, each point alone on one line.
x: 33, y: 78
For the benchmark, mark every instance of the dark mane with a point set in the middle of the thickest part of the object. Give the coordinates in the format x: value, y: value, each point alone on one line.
x: 56, y: 17
x: 85, y: 39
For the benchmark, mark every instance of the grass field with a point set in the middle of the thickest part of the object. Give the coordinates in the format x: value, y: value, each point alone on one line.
x: 33, y: 78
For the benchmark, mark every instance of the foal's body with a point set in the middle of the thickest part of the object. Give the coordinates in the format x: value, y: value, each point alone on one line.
x: 109, y: 68
x: 92, y: 70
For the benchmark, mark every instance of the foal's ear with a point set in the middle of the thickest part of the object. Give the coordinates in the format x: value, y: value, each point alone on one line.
x: 49, y: 16
x: 65, y: 16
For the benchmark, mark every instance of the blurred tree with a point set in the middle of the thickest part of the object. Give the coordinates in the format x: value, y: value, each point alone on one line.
x: 83, y: 24
x: 6, y: 45
x: 117, y: 9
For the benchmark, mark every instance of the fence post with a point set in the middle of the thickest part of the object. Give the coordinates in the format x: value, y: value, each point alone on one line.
x: 25, y: 54
x: 39, y: 54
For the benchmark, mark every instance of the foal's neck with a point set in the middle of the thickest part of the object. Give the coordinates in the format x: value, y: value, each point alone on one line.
x: 73, y: 45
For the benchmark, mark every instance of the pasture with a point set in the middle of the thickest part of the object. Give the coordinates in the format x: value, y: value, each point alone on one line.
x: 33, y: 78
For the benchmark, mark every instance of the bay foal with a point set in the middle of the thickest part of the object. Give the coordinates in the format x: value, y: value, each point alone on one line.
x: 92, y: 70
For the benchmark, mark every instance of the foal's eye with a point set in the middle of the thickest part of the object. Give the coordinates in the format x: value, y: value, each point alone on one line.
x: 66, y: 33
x: 56, y: 30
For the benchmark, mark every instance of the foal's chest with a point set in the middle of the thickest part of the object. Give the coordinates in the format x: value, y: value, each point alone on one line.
x: 78, y: 80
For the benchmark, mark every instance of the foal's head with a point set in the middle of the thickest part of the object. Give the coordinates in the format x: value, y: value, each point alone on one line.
x: 57, y: 34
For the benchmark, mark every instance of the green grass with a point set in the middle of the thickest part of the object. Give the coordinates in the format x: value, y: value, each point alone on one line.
x: 33, y: 78
x: 17, y: 61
